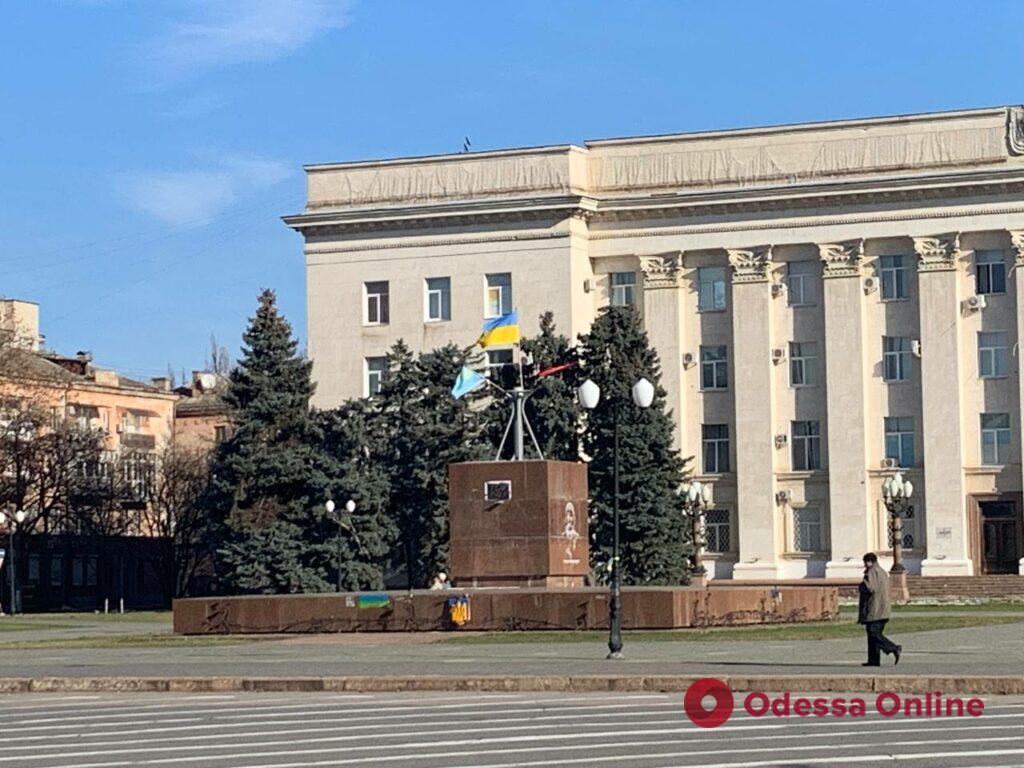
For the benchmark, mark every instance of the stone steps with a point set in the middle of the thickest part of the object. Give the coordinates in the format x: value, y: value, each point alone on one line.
x: 1008, y: 585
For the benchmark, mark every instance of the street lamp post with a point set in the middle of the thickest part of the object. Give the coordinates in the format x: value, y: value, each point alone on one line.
x: 14, y: 521
x: 350, y: 507
x: 696, y: 497
x: 589, y: 395
x: 896, y: 493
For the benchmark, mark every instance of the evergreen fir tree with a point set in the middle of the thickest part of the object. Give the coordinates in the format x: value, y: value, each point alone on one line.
x: 425, y: 430
x: 269, y: 480
x: 655, y: 537
x: 366, y: 538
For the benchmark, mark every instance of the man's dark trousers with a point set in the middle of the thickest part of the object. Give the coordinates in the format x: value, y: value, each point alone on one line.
x: 878, y: 642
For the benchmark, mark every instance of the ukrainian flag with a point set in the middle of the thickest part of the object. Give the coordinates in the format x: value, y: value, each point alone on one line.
x: 501, y: 330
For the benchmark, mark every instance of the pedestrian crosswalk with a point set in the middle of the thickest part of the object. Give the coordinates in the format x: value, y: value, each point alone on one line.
x: 464, y: 730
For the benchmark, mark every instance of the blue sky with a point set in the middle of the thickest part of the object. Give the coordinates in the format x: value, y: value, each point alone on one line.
x: 149, y: 147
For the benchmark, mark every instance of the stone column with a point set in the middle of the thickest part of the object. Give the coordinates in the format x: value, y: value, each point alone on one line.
x: 945, y: 516
x: 846, y: 373
x: 754, y: 439
x: 663, y: 321
x: 1017, y: 240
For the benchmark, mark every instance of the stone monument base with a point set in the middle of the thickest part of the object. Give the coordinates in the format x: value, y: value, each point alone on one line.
x: 504, y: 609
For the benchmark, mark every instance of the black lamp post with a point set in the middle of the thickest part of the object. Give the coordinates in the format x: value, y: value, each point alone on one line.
x: 13, y: 522
x: 696, y: 497
x: 350, y: 507
x: 896, y: 493
x: 589, y: 395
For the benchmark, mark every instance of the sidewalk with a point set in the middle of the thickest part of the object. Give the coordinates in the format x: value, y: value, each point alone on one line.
x: 968, y: 653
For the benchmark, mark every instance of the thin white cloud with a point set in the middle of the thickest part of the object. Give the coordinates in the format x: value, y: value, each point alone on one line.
x: 198, y: 195
x: 227, y: 32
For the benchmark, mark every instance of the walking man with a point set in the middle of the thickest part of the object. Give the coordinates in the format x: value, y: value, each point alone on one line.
x: 873, y: 611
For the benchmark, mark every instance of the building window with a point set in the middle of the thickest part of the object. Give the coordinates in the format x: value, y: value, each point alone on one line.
x: 803, y: 364
x: 376, y: 367
x: 714, y: 367
x: 710, y: 289
x: 993, y: 354
x: 800, y: 282
x: 83, y: 571
x: 33, y: 568
x: 991, y: 271
x: 56, y: 570
x: 499, y: 294
x: 899, y: 440
x: 807, y: 530
x: 623, y: 289
x: 806, y: 445
x: 378, y: 303
x: 220, y: 433
x: 896, y: 358
x: 439, y: 299
x: 496, y: 360
x: 995, y: 438
x: 715, y: 438
x: 894, y: 278
x: 717, y: 533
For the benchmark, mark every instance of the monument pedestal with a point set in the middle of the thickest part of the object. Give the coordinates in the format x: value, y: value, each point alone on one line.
x: 518, y: 524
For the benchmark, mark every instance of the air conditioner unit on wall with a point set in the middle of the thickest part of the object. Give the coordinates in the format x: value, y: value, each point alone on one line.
x: 781, y: 440
x: 890, y: 463
x: 915, y: 347
x: 778, y: 354
x: 870, y: 284
x: 778, y: 289
x: 588, y: 286
x: 973, y: 303
x: 688, y: 359
x: 782, y: 497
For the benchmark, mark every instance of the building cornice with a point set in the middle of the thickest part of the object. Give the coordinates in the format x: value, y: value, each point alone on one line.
x: 1017, y: 243
x: 608, y: 212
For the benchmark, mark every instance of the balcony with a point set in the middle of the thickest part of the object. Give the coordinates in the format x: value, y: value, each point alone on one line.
x: 138, y: 441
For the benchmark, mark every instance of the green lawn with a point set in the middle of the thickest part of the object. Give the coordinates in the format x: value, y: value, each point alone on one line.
x: 994, y: 606
x: 37, y: 621
x: 125, y: 641
x: 841, y: 629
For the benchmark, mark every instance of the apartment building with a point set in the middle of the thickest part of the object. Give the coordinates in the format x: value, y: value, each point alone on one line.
x: 831, y: 302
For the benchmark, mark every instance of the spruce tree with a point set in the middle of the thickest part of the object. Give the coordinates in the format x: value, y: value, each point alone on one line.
x: 425, y: 430
x: 269, y: 480
x: 655, y: 537
x: 366, y: 537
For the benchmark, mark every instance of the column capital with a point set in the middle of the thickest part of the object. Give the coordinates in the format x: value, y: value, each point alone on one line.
x: 662, y: 270
x: 1017, y: 242
x: 842, y: 259
x: 937, y: 252
x: 750, y: 265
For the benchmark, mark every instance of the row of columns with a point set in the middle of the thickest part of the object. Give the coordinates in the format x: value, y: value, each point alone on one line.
x: 847, y: 373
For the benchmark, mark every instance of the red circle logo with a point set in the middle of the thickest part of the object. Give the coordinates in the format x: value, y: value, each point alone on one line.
x: 693, y: 702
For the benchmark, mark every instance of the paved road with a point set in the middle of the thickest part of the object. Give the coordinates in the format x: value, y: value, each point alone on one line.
x: 987, y: 650
x: 493, y: 730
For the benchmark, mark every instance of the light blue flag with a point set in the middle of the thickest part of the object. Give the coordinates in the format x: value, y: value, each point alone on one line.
x: 467, y: 381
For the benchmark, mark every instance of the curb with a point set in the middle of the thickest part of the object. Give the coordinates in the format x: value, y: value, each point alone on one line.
x: 991, y: 685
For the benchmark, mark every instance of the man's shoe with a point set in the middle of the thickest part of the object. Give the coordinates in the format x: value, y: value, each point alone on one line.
x: 869, y: 664
x: 897, y: 652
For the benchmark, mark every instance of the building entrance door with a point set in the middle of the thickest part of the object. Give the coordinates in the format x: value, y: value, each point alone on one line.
x: 1000, y: 536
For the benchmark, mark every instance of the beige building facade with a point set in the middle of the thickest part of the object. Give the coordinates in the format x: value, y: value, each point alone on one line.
x: 831, y: 303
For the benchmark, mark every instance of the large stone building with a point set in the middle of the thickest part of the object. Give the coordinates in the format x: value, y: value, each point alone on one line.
x: 830, y: 301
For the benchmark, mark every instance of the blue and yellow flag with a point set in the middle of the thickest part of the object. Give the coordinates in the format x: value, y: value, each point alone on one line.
x: 501, y: 330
